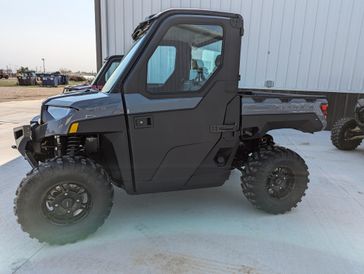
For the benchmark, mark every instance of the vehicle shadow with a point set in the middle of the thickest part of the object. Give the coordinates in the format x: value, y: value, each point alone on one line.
x: 197, y: 210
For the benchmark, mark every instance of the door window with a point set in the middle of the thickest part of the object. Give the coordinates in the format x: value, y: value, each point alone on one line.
x: 185, y: 59
x: 161, y: 65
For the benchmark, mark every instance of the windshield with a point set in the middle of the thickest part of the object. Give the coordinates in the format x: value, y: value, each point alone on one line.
x: 123, y: 64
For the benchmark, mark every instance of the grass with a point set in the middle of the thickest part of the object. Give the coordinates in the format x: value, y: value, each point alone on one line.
x: 8, y: 82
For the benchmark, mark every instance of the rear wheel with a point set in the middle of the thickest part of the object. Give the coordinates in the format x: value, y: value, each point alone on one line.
x: 63, y: 200
x: 342, y: 133
x: 274, y: 179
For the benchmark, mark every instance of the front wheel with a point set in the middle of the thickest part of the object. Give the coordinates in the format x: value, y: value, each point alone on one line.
x: 274, y: 179
x: 63, y: 200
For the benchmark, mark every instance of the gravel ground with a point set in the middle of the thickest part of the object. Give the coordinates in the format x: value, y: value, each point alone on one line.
x: 27, y: 93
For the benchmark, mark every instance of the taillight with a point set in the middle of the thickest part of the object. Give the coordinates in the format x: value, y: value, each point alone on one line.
x: 324, y: 109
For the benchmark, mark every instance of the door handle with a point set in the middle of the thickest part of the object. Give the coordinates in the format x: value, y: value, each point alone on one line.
x: 223, y: 128
x: 143, y: 122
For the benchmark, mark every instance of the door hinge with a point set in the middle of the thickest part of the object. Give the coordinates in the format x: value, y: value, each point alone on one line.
x: 223, y: 128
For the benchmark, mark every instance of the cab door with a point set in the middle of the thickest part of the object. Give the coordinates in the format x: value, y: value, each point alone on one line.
x: 182, y: 104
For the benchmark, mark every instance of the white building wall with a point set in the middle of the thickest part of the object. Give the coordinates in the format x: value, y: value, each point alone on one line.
x: 298, y: 44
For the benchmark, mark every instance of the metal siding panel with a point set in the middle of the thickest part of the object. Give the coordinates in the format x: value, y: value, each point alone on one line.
x: 299, y: 44
x: 119, y: 28
x: 263, y: 48
x: 309, y: 44
x: 275, y: 39
x: 285, y: 45
x: 247, y: 6
x: 147, y: 8
x: 165, y: 4
x: 311, y: 60
x: 195, y: 4
x: 156, y: 6
x: 214, y: 4
x: 341, y: 44
x: 205, y: 4
x: 111, y: 27
x: 329, y: 44
x: 236, y: 6
x: 253, y: 45
x: 352, y: 46
x: 296, y: 44
x: 357, y: 76
x: 185, y: 4
x: 128, y: 24
x: 137, y: 12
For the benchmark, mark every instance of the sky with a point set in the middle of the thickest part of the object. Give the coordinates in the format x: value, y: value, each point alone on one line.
x: 61, y: 32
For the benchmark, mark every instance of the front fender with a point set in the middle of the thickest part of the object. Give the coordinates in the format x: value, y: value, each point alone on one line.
x: 24, y: 143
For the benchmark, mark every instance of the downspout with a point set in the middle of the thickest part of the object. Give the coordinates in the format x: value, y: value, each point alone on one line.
x: 98, y: 34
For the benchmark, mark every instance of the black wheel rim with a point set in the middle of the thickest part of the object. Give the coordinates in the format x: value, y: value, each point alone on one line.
x: 280, y: 182
x: 66, y: 203
x: 349, y: 134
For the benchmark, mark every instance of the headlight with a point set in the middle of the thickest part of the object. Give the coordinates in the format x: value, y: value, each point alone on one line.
x: 55, y: 113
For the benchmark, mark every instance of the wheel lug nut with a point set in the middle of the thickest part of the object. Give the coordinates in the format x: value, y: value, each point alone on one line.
x: 66, y: 194
x: 68, y: 211
x: 77, y: 201
x: 56, y: 205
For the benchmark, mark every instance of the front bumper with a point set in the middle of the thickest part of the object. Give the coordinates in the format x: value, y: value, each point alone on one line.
x: 24, y: 144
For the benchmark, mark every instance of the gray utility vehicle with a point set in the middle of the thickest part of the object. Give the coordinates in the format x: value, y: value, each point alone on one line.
x: 348, y: 133
x: 171, y: 117
x: 101, y: 78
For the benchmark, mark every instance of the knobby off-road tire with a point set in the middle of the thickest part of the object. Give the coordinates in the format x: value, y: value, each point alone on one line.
x: 263, y: 180
x: 42, y: 211
x: 339, y: 133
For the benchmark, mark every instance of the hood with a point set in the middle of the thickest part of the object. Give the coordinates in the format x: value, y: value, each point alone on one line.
x: 84, y: 100
x: 78, y: 87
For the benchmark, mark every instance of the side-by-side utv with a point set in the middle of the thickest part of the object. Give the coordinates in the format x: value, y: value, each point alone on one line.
x: 348, y: 133
x: 108, y: 68
x: 171, y: 117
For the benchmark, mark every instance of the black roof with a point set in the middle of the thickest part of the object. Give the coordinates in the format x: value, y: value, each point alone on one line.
x: 192, y: 11
x: 143, y: 26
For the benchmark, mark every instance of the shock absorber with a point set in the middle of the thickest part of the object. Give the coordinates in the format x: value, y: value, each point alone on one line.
x: 73, y: 145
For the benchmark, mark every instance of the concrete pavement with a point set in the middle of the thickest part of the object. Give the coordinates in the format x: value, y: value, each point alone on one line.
x: 13, y: 114
x: 208, y: 230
